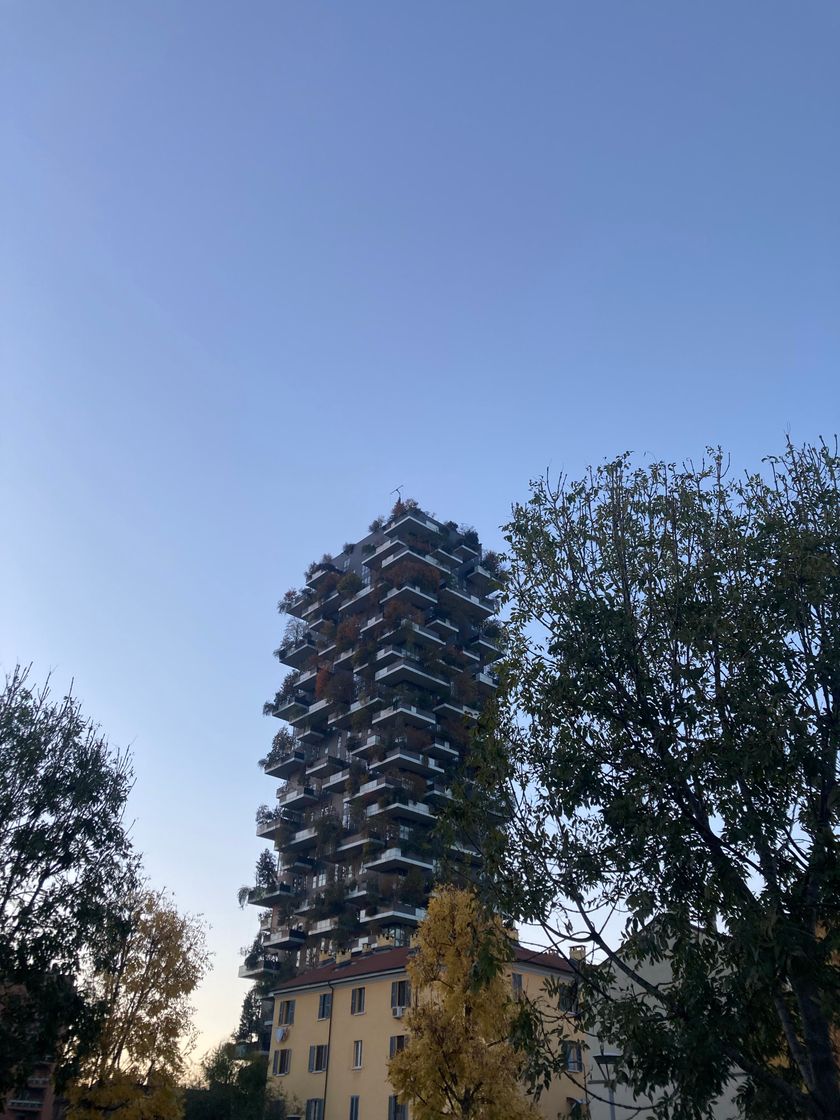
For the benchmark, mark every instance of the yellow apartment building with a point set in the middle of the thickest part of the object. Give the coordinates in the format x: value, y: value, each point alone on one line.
x: 336, y: 1025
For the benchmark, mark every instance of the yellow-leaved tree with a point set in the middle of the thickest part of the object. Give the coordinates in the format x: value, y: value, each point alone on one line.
x: 156, y: 958
x: 458, y: 1062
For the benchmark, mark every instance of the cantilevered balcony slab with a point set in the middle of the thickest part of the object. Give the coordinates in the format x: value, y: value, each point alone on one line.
x: 405, y: 759
x: 356, y: 844
x: 487, y: 682
x: 396, y: 912
x: 262, y: 969
x: 267, y: 897
x: 302, y: 840
x: 287, y: 937
x: 275, y: 826
x: 297, y: 796
x: 442, y: 749
x: 416, y: 524
x: 337, y: 781
x: 327, y: 760
x: 472, y: 605
x: 487, y: 649
x: 408, y: 670
x: 417, y: 717
x: 395, y: 859
x: 292, y: 707
x: 412, y: 594
x: 361, y: 601
x: 297, y: 653
x: 482, y: 581
x: 402, y: 810
x: 287, y: 764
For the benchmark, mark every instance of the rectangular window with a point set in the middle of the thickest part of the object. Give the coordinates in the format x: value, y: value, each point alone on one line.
x: 354, y: 1108
x: 357, y: 1054
x: 286, y: 1015
x: 357, y: 1001
x: 568, y: 999
x: 516, y: 983
x: 325, y: 1005
x: 315, y: 1108
x: 395, y: 1044
x: 282, y: 1062
x: 318, y: 1057
x: 396, y: 1111
x: 573, y: 1056
x: 400, y: 993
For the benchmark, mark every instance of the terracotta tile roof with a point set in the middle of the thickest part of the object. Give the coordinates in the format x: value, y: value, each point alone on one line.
x: 392, y: 960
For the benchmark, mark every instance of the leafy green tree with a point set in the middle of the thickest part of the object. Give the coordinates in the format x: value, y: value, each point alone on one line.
x: 158, y: 957
x: 64, y: 859
x: 665, y: 742
x: 234, y: 1088
x: 458, y: 1061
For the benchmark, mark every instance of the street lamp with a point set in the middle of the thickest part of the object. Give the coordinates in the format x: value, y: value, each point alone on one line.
x: 607, y: 1063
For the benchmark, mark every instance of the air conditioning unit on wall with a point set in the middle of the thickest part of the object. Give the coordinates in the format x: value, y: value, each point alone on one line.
x: 397, y: 1012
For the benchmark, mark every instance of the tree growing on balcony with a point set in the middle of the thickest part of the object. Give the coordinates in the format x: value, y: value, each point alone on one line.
x: 156, y: 958
x: 666, y: 744
x: 265, y: 876
x: 458, y: 1061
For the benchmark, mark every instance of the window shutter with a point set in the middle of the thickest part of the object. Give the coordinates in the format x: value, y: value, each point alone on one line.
x: 311, y: 1059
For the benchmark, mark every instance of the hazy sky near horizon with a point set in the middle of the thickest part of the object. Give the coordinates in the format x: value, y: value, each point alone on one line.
x: 263, y: 262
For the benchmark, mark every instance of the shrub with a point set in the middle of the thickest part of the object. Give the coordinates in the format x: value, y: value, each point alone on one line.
x: 349, y: 585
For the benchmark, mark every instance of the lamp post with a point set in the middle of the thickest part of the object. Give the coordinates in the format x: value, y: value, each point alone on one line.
x: 607, y: 1063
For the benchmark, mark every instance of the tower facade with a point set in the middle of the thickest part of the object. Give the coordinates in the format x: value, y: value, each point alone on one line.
x: 390, y: 646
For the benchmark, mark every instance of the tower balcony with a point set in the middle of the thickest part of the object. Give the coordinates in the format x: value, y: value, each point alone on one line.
x: 406, y: 810
x: 327, y: 760
x: 453, y: 707
x: 336, y: 782
x: 298, y: 607
x: 361, y: 601
x: 287, y: 937
x: 410, y: 593
x: 402, y: 912
x: 372, y: 790
x: 316, y: 714
x: 298, y: 796
x: 264, y: 968
x: 292, y: 707
x: 320, y: 575
x: 424, y: 558
x: 306, y: 681
x: 409, y: 670
x: 276, y: 825
x: 406, y: 759
x: 485, y: 647
x: 302, y: 840
x: 369, y: 745
x: 308, y: 734
x: 288, y: 763
x: 414, y: 632
x: 395, y: 859
x: 443, y: 626
x: 443, y: 749
x: 413, y: 523
x: 266, y: 897
x: 297, y: 653
x: 487, y: 682
x: 323, y: 927
x: 472, y: 605
x: 356, y: 844
x: 372, y: 623
x: 386, y: 549
x: 482, y: 580
x: 417, y: 717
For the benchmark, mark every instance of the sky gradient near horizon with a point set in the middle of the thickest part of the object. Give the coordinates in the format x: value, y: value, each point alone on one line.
x: 262, y: 263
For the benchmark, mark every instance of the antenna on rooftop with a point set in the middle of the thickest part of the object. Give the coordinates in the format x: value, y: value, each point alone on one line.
x: 398, y: 491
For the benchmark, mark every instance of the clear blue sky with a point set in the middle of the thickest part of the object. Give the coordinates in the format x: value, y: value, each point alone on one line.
x: 263, y: 262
